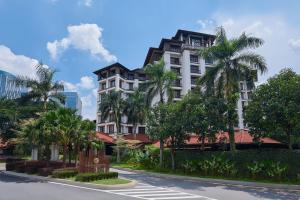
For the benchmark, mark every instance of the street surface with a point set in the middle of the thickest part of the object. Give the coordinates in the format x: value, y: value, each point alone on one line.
x: 148, y: 188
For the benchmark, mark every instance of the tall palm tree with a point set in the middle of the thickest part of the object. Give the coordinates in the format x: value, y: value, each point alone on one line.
x: 159, y: 83
x: 113, y: 103
x: 233, y: 63
x: 135, y: 109
x: 43, y: 87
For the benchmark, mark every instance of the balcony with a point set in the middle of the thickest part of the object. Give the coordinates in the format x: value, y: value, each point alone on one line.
x: 174, y: 61
x: 176, y: 84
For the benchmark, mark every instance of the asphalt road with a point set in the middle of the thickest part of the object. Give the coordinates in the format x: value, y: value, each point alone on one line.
x: 149, y: 188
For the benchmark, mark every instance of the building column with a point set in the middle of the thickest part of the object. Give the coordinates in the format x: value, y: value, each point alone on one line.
x: 54, y: 152
x: 34, y: 153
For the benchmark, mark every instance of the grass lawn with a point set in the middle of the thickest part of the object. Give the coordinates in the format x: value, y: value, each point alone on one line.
x: 114, y: 181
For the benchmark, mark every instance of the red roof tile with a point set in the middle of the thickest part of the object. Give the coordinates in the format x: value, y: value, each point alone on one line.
x: 140, y: 136
x: 105, y: 137
x: 241, y: 137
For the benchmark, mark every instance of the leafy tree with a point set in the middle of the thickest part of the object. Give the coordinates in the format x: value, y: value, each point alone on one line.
x: 159, y: 84
x: 43, y: 87
x: 155, y: 118
x: 135, y: 109
x: 204, y: 115
x: 8, y: 110
x: 113, y: 103
x: 174, y: 127
x: 274, y: 110
x: 232, y: 64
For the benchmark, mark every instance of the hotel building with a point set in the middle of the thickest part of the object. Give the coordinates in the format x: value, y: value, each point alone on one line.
x: 180, y: 56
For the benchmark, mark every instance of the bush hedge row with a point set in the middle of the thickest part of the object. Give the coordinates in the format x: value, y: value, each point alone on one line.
x: 88, y: 177
x: 64, y: 173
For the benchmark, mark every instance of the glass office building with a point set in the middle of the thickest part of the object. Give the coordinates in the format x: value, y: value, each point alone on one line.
x: 73, y: 101
x: 8, y: 87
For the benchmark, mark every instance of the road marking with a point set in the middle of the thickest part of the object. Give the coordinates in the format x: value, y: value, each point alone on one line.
x: 145, y: 192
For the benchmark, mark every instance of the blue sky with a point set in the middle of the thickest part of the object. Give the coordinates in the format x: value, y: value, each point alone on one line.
x: 79, y: 36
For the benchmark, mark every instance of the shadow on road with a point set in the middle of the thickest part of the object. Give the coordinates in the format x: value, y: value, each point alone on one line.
x: 4, y: 178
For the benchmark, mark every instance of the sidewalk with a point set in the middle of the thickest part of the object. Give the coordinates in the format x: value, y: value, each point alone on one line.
x: 211, y: 180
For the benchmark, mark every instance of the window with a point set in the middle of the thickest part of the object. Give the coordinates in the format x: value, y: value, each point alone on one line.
x: 101, y: 129
x: 130, y: 86
x: 175, y: 48
x: 129, y: 129
x: 249, y: 95
x: 193, y: 80
x: 142, y: 130
x: 242, y: 86
x: 113, y: 83
x: 103, y: 86
x: 111, y: 128
x: 196, y: 42
x: 174, y: 60
x: 176, y: 70
x: 121, y: 84
x: 208, y: 61
x: 194, y: 59
x: 110, y: 117
x: 177, y: 94
x: 243, y: 95
x: 195, y: 69
x: 177, y: 83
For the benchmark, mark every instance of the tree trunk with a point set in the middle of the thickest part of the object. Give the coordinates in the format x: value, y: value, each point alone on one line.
x: 65, y: 155
x: 290, y: 142
x: 203, y: 142
x: 161, y: 152
x: 173, y: 158
x: 231, y: 137
x: 134, y: 131
x: 70, y: 153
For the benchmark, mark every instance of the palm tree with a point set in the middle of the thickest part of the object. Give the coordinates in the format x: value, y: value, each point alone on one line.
x: 135, y: 109
x: 160, y: 83
x: 113, y: 104
x: 232, y: 64
x: 43, y: 87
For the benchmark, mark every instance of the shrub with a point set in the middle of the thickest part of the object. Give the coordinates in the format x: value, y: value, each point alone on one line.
x: 64, y: 173
x: 88, y: 177
x: 45, y: 171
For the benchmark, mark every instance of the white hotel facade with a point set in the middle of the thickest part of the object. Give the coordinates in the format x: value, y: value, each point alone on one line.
x: 180, y: 56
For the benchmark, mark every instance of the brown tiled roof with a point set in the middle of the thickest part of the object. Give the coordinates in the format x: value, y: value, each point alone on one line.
x: 141, y: 137
x: 241, y: 137
x: 105, y: 137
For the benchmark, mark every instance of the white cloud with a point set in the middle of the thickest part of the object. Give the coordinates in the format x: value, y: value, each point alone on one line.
x: 294, y: 44
x: 69, y: 86
x: 87, y: 3
x: 16, y: 64
x: 86, y: 101
x: 86, y: 82
x: 277, y: 33
x: 83, y: 37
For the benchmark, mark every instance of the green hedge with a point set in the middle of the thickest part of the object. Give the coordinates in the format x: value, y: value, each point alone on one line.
x: 88, y: 177
x: 64, y: 173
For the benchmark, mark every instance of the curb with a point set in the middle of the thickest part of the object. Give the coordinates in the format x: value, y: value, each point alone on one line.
x: 214, y: 181
x: 64, y: 181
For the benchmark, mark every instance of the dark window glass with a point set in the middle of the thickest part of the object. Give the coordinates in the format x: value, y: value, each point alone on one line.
x: 141, y: 129
x: 174, y: 60
x: 194, y: 59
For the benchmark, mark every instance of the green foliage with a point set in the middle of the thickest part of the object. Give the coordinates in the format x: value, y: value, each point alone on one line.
x: 89, y: 177
x: 64, y: 173
x: 275, y: 110
x: 233, y: 63
x: 267, y: 169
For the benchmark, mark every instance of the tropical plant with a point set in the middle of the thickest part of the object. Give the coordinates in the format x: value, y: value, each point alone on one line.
x: 255, y: 168
x: 159, y: 83
x: 43, y: 87
x: 232, y: 64
x: 113, y: 103
x: 275, y: 110
x: 135, y: 109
